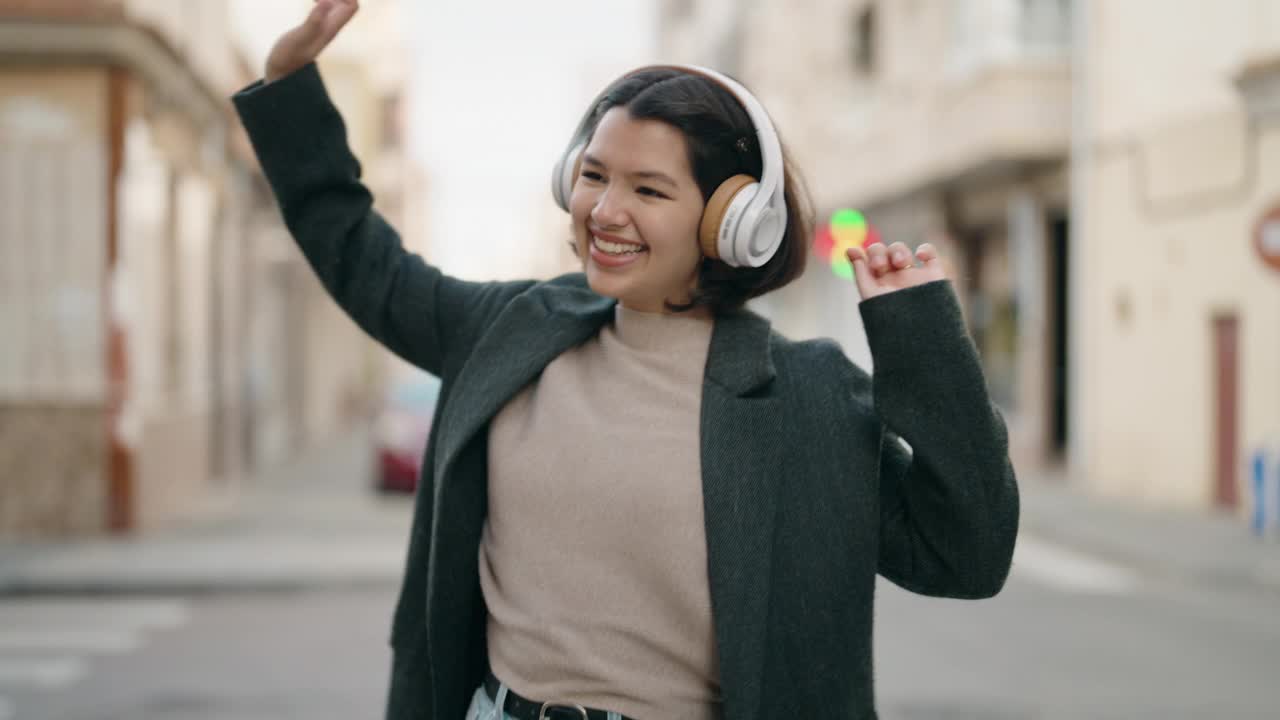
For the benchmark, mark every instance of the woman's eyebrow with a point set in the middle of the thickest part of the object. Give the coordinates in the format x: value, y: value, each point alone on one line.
x: 589, y: 159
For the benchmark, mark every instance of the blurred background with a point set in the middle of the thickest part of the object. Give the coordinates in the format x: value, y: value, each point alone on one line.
x: 206, y: 470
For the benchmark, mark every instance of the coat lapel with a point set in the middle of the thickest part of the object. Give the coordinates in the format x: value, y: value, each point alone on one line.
x: 531, y: 332
x: 740, y: 473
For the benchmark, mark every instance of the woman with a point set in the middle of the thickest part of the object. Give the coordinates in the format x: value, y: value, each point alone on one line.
x: 637, y: 500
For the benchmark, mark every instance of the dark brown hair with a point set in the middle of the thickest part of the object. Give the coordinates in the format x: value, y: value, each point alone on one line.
x: 722, y: 143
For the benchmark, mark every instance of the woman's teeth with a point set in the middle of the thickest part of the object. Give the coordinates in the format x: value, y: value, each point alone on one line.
x: 616, y: 248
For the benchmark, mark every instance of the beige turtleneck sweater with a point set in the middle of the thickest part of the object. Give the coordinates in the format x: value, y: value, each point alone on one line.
x: 593, y: 560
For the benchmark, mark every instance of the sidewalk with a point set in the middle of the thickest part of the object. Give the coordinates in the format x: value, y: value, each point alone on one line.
x: 317, y: 523
x: 313, y: 522
x: 1204, y: 547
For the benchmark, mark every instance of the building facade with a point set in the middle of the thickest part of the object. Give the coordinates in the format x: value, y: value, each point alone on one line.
x: 1073, y: 162
x: 163, y: 336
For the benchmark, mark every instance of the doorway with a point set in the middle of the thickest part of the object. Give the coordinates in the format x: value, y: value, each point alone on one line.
x: 1226, y: 347
x: 1058, y: 336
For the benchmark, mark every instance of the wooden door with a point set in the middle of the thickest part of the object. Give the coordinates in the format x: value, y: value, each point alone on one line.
x: 1226, y: 341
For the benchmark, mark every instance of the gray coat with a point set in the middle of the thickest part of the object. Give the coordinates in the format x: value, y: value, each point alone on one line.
x: 808, y: 492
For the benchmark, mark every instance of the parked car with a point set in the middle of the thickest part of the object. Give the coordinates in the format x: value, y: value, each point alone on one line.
x: 401, y: 430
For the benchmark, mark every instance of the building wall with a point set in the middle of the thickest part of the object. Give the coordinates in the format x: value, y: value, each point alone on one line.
x: 52, y: 238
x: 58, y: 299
x: 205, y: 322
x: 950, y: 86
x: 52, y: 245
x: 1179, y: 178
x: 199, y: 30
x: 945, y: 121
x: 164, y: 303
x: 162, y: 296
x: 52, y: 456
x: 961, y: 134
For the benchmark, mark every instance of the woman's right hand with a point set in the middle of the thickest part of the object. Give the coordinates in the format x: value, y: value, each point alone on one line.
x: 303, y: 44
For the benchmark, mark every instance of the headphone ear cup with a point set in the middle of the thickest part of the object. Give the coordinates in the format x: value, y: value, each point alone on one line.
x: 565, y: 174
x: 717, y: 209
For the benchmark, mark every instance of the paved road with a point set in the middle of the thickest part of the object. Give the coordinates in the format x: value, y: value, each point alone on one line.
x: 1074, y: 637
x: 1071, y: 637
x: 258, y: 656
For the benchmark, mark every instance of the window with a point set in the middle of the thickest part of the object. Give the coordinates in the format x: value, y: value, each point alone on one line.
x: 678, y: 10
x: 1045, y: 24
x: 392, y: 121
x: 865, y: 49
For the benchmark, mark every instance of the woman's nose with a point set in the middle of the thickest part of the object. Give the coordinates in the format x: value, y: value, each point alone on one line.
x: 608, y: 211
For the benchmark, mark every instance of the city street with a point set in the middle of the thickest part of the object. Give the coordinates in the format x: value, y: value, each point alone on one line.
x: 1071, y: 637
x: 254, y: 656
x: 254, y: 255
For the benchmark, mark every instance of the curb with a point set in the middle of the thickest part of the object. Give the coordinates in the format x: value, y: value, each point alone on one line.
x: 1258, y: 578
x: 91, y: 587
x: 261, y: 565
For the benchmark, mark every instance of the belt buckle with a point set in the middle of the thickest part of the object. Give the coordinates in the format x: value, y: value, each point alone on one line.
x: 550, y: 706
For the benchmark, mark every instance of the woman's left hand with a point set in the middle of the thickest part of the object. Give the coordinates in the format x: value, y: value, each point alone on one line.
x: 879, y: 270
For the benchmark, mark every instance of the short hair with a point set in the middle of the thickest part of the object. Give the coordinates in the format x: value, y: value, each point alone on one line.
x: 721, y: 141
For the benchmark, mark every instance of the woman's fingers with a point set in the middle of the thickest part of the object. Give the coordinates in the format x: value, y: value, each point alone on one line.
x: 926, y: 253
x: 324, y: 22
x: 304, y: 43
x: 878, y: 259
x: 900, y: 256
x: 862, y: 272
x: 339, y: 13
x: 309, y: 33
x: 856, y: 254
x: 931, y: 261
x: 879, y: 269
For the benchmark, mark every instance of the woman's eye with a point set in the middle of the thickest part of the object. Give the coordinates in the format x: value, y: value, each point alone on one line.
x: 592, y: 175
x: 650, y: 191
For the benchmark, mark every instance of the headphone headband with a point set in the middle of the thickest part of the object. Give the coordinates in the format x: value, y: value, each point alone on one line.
x: 752, y: 219
x: 766, y: 136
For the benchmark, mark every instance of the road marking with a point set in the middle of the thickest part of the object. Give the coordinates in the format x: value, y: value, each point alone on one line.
x: 1069, y: 570
x: 50, y: 643
x: 86, y: 640
x: 44, y: 673
x: 94, y: 613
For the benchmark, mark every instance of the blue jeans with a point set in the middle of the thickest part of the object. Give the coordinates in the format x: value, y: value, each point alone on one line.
x: 484, y: 708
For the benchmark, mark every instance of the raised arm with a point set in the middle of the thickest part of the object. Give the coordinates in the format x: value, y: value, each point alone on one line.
x: 300, y: 140
x: 949, y: 505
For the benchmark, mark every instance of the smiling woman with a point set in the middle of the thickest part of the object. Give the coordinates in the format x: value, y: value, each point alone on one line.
x: 654, y: 149
x: 639, y: 241
x: 637, y: 500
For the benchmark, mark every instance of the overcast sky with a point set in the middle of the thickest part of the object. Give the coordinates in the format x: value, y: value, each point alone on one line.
x: 499, y: 87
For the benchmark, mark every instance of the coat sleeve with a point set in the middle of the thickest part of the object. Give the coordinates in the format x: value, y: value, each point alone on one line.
x: 949, y: 505
x: 401, y: 301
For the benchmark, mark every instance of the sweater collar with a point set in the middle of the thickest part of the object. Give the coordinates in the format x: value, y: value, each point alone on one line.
x: 677, y: 333
x: 740, y: 358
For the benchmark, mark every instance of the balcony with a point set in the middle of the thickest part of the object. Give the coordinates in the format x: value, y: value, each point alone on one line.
x: 1259, y: 84
x: 1000, y: 100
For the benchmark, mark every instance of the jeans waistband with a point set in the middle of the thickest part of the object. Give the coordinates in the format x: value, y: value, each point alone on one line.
x: 522, y: 708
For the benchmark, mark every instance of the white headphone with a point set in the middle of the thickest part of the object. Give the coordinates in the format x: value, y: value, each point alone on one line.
x: 745, y: 219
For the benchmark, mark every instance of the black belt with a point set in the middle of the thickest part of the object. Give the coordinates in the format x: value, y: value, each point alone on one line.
x: 524, y: 709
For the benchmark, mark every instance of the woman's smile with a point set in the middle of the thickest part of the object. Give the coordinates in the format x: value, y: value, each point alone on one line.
x: 613, y: 251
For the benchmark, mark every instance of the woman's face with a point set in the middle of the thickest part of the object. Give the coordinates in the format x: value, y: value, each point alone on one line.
x: 636, y: 209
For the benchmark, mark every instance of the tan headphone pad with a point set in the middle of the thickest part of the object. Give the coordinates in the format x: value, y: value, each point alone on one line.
x: 713, y: 213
